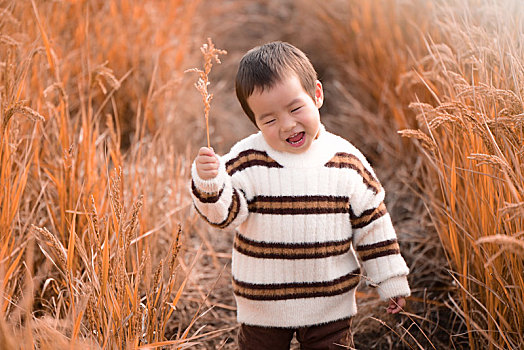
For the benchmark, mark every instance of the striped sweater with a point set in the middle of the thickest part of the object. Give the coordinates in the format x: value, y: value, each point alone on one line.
x: 299, y: 219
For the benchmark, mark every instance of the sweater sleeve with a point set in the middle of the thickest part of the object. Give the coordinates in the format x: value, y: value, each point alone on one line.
x: 217, y: 200
x: 374, y: 236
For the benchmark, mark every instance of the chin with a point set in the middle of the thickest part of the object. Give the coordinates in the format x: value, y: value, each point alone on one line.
x: 299, y: 150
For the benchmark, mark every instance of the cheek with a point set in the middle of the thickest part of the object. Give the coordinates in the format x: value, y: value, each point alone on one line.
x: 273, y: 134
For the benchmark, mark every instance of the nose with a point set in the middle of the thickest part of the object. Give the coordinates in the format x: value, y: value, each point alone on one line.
x: 288, y: 123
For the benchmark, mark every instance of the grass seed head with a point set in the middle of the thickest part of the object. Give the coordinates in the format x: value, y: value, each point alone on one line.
x: 210, y: 54
x: 49, y: 239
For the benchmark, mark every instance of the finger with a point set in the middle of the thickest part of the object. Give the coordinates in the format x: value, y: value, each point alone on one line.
x: 212, y: 173
x: 208, y: 175
x: 392, y: 306
x: 208, y: 167
x: 397, y: 305
x: 204, y: 151
x: 394, y: 310
x: 207, y: 151
x: 401, y: 302
x: 205, y: 160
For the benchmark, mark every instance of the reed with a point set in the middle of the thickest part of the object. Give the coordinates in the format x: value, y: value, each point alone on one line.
x: 478, y: 168
x: 210, y: 54
x: 85, y: 206
x: 448, y: 74
x: 96, y: 243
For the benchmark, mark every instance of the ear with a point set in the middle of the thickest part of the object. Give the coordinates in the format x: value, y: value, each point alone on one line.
x: 319, y: 94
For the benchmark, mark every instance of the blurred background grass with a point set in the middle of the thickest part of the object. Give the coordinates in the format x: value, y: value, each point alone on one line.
x: 99, y: 123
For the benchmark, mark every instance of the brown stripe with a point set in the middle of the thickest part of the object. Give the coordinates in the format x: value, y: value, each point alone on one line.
x: 233, y: 211
x: 248, y: 159
x: 376, y: 250
x: 282, y: 291
x: 206, y: 197
x: 294, y: 205
x: 367, y: 217
x: 267, y: 250
x: 350, y: 161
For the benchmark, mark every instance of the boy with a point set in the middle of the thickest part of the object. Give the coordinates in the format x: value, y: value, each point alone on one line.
x: 302, y: 201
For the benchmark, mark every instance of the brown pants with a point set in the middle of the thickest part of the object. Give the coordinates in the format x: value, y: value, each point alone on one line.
x: 333, y: 335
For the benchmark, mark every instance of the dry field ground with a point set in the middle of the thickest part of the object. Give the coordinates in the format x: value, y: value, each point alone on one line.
x: 99, y: 122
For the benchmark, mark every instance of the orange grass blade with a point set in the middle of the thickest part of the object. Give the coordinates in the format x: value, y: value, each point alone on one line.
x: 178, y: 295
x: 186, y: 341
x: 131, y: 296
x: 71, y: 245
x: 11, y: 269
x: 181, y: 288
x: 6, y: 279
x: 18, y: 190
x: 45, y: 39
x: 76, y: 327
x: 105, y: 262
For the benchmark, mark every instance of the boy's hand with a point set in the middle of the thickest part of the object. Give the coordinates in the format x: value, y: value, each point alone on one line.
x: 207, y: 163
x: 396, y: 304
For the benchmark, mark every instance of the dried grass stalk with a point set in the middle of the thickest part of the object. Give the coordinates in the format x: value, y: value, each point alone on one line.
x: 426, y: 141
x: 18, y: 108
x: 132, y: 225
x: 488, y: 159
x: 49, y: 239
x: 115, y: 195
x: 512, y: 244
x: 210, y: 53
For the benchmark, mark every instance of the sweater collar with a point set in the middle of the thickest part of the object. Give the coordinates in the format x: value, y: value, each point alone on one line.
x: 319, y: 153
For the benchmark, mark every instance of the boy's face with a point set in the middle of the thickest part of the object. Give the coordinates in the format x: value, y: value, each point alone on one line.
x: 287, y: 116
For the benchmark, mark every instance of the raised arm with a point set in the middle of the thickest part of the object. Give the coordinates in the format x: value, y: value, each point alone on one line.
x: 214, y: 196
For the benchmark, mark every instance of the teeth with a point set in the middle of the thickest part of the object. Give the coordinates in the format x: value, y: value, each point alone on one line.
x: 290, y: 139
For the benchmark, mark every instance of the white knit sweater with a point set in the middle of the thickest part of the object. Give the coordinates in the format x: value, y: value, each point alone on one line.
x: 299, y: 219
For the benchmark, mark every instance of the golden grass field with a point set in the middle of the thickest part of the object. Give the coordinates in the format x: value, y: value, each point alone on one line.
x: 99, y: 123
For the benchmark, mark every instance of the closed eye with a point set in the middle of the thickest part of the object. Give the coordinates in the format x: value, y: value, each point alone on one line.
x: 296, y: 109
x: 269, y: 121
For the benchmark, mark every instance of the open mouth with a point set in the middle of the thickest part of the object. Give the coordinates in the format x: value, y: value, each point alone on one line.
x: 297, y: 139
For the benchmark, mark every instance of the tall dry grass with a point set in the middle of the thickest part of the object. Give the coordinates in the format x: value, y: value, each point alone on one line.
x: 475, y: 164
x: 92, y: 184
x: 94, y: 161
x: 450, y: 75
